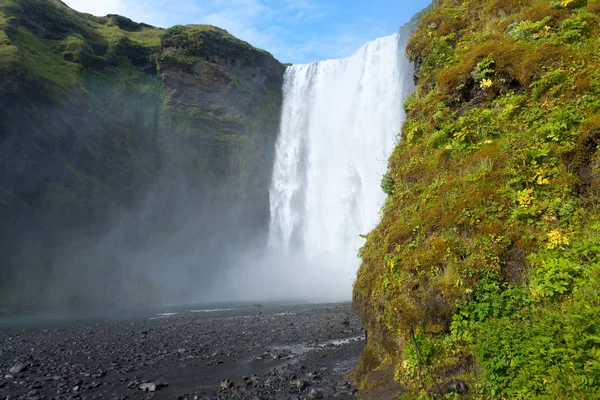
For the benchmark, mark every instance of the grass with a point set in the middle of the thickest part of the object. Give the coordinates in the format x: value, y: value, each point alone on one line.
x: 221, y: 35
x: 43, y: 64
x: 145, y: 37
x: 492, y: 199
x: 73, y: 40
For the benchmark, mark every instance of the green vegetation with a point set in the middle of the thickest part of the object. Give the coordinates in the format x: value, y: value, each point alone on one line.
x: 485, y: 268
x: 73, y: 40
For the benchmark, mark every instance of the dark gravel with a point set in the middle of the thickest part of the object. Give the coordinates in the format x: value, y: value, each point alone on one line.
x: 272, y: 352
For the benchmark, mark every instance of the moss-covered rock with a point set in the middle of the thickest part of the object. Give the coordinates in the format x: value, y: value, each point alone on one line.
x: 488, y: 241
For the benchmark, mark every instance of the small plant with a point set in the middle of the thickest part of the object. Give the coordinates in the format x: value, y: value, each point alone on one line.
x: 574, y: 30
x: 555, y: 277
x: 568, y: 4
x: 556, y: 239
x: 419, y: 357
x: 176, y: 37
x: 486, y: 84
x: 484, y: 71
x: 529, y: 31
x: 388, y: 185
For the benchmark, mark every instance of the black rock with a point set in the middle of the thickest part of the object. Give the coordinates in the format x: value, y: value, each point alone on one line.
x: 452, y: 386
x: 148, y: 387
x: 12, y: 25
x: 299, y: 383
x: 17, y: 369
x: 226, y: 384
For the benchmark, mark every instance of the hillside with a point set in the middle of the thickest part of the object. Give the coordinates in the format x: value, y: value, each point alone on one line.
x: 482, y: 280
x: 117, y: 136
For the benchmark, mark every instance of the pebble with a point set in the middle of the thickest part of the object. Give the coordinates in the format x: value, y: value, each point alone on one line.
x: 19, y: 368
x: 315, y: 394
x: 122, y: 359
x: 148, y: 387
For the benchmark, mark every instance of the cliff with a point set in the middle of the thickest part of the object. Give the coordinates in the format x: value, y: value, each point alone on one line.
x: 129, y: 154
x: 483, y: 278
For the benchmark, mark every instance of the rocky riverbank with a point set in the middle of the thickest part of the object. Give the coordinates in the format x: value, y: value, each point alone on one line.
x: 259, y: 352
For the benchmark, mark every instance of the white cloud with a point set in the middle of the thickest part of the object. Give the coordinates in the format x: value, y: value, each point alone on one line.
x: 98, y: 7
x: 278, y: 26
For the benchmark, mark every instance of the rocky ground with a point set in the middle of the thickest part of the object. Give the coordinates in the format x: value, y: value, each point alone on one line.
x: 260, y: 352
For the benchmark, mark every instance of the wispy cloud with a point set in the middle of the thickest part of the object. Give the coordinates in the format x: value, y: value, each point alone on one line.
x: 98, y: 7
x: 296, y: 31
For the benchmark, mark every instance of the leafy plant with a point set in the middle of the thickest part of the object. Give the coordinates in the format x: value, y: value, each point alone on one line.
x: 388, y: 185
x: 484, y: 70
x: 529, y: 31
x: 574, y: 30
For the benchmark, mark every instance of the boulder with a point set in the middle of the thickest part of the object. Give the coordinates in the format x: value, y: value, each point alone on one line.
x: 17, y: 369
x: 12, y: 25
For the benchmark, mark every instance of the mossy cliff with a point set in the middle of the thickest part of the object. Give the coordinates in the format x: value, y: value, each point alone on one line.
x: 104, y: 122
x: 483, y: 278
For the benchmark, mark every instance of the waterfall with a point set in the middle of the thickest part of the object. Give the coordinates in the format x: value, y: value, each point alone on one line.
x: 340, y: 122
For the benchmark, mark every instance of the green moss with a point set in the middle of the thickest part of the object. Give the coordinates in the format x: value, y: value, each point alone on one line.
x: 42, y: 64
x: 191, y: 38
x: 233, y: 139
x: 485, y: 244
x: 10, y: 58
x: 77, y: 39
x: 242, y: 84
x: 181, y: 62
x: 198, y: 31
x: 145, y: 37
x: 233, y: 118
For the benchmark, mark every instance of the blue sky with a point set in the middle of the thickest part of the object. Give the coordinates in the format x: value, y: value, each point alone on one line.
x: 297, y: 31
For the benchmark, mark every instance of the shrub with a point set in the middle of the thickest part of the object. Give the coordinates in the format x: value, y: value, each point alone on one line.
x: 388, y: 185
x: 574, y: 30
x: 176, y: 36
x: 529, y: 31
x: 484, y: 70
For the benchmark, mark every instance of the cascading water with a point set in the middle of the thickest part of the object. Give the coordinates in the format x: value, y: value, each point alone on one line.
x: 339, y: 124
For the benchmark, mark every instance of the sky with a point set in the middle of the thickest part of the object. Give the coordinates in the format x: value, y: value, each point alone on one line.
x: 295, y: 31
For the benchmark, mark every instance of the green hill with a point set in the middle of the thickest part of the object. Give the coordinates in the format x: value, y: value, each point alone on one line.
x: 483, y: 277
x: 107, y: 124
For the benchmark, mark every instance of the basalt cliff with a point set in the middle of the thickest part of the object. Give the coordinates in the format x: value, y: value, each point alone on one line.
x: 122, y: 147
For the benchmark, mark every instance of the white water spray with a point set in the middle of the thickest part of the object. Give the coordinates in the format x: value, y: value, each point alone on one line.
x: 340, y: 122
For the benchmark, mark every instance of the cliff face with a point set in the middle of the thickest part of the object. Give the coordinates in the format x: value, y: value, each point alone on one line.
x: 117, y: 137
x: 483, y: 278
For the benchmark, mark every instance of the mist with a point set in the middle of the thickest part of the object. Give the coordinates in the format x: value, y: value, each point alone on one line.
x: 169, y: 246
x: 114, y: 200
x: 143, y: 185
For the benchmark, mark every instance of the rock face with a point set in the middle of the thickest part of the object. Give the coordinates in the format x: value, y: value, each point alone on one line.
x: 118, y: 139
